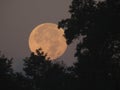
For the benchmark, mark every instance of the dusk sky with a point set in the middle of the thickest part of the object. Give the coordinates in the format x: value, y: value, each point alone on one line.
x: 19, y: 17
x: 34, y: 54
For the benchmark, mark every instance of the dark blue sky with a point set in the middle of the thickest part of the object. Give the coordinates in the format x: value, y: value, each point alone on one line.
x: 19, y: 17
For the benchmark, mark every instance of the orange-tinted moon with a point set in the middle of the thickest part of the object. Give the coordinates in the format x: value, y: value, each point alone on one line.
x: 49, y: 38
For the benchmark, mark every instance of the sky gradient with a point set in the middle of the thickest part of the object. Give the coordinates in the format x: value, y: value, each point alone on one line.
x: 19, y: 17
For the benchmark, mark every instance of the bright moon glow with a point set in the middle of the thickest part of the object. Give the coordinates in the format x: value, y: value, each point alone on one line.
x: 49, y: 38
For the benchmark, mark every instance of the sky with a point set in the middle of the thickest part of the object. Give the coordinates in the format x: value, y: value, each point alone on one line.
x: 17, y: 20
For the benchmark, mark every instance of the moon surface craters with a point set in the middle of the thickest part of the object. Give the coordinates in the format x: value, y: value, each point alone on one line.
x: 49, y: 38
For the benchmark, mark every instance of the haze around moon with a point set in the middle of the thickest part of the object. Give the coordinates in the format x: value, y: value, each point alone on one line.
x: 49, y: 38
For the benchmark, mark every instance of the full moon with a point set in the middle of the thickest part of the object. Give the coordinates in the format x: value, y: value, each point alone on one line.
x: 49, y: 38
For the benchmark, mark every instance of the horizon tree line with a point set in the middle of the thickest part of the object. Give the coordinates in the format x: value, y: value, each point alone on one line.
x: 98, y: 57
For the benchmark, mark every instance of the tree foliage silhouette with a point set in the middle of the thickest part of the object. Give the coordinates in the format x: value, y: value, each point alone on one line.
x: 98, y: 66
x: 43, y: 73
x: 5, y: 72
x: 10, y: 80
x: 100, y: 23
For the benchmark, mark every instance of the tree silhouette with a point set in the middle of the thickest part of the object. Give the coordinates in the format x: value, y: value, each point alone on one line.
x: 43, y: 73
x: 98, y: 65
x: 9, y: 80
x: 5, y: 73
x: 100, y: 23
